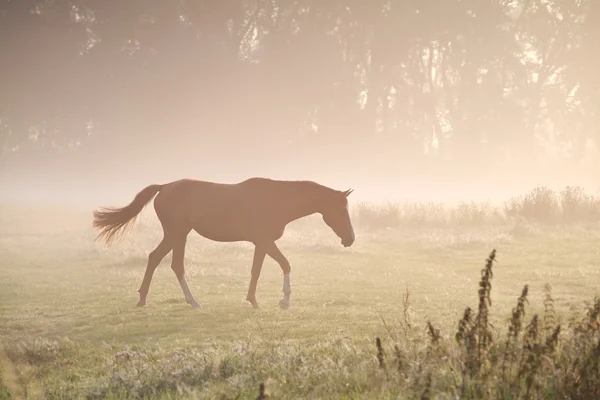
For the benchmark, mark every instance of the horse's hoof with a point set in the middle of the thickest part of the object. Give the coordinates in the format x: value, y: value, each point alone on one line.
x: 284, y: 304
x: 141, y: 304
x: 194, y: 304
x: 254, y: 304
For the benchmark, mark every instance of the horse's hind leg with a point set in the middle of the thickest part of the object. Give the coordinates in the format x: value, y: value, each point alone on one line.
x: 274, y: 252
x: 257, y: 262
x: 178, y: 267
x: 154, y: 258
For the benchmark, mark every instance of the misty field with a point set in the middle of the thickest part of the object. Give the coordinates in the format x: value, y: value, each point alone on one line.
x: 70, y: 328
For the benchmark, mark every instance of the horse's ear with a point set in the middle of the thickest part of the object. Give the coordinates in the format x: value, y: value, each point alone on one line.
x: 347, y: 192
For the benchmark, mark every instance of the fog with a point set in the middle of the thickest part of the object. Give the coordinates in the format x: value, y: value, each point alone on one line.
x: 100, y: 106
x: 112, y: 179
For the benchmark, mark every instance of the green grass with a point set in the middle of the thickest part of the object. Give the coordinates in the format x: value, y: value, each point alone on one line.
x: 4, y: 391
x: 69, y: 325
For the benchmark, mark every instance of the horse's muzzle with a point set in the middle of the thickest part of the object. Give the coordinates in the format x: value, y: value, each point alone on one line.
x: 347, y: 243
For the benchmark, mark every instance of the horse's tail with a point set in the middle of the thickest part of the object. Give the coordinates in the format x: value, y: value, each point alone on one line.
x: 111, y: 221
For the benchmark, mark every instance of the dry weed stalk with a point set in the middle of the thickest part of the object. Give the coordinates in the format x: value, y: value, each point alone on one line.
x: 549, y: 312
x: 399, y: 357
x: 406, y: 310
x: 380, y: 356
x: 514, y: 330
x: 433, y: 333
x: 261, y: 392
x: 482, y: 325
x: 426, y: 395
x: 480, y: 334
x: 534, y: 354
x: 464, y: 326
x: 583, y: 378
x: 475, y: 336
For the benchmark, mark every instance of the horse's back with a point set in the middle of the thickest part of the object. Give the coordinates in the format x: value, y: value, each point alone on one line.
x: 218, y: 211
x: 184, y: 191
x: 201, y: 198
x: 252, y: 190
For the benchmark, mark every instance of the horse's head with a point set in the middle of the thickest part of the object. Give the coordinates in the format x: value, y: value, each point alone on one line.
x: 336, y: 216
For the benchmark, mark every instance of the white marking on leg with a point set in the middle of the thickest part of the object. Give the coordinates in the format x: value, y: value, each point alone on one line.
x: 187, y: 292
x: 287, y: 289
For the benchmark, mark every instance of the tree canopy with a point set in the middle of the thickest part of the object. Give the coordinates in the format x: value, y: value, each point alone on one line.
x: 439, y: 79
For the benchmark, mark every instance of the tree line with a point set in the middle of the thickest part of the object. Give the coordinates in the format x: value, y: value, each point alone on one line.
x: 440, y: 79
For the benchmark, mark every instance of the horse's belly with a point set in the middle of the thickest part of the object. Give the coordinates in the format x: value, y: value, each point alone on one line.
x: 228, y: 223
x: 223, y: 229
x: 221, y: 235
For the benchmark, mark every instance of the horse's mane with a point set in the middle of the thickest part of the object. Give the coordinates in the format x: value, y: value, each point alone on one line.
x: 296, y: 183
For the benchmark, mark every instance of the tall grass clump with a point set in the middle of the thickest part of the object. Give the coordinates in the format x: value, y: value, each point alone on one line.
x: 578, y: 206
x: 546, y: 206
x: 531, y: 363
x: 541, y: 205
x: 421, y: 215
x: 536, y: 357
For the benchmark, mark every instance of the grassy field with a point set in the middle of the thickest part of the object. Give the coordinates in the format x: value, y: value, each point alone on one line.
x: 69, y: 327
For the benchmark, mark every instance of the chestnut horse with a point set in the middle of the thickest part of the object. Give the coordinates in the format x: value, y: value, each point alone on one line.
x: 256, y: 210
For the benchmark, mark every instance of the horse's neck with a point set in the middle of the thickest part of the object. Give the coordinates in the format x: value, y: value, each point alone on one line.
x: 301, y: 204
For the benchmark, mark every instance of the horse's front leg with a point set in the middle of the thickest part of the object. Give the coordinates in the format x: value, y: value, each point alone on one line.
x: 257, y: 263
x: 178, y: 267
x: 274, y: 252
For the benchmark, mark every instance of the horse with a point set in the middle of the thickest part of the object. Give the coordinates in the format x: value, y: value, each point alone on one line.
x: 256, y: 210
